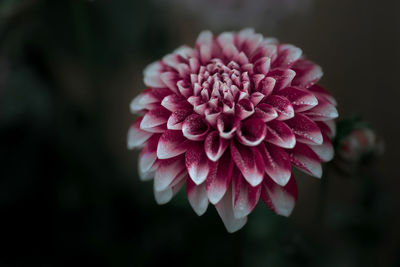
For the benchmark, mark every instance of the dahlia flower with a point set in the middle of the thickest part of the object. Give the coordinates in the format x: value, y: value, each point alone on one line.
x: 228, y: 119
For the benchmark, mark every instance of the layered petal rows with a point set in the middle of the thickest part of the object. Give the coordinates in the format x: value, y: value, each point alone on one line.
x: 228, y: 119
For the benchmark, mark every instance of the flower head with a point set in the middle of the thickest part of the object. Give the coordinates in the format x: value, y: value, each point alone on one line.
x: 229, y: 118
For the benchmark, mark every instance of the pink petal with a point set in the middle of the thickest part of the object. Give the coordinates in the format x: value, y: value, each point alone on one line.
x: 197, y: 196
x: 282, y: 105
x: 252, y: 132
x: 184, y: 88
x: 215, y: 146
x: 325, y: 151
x: 170, y: 79
x: 227, y: 125
x: 267, y: 85
x: 256, y: 98
x: 265, y: 112
x: 305, y: 160
x: 152, y: 75
x: 287, y: 55
x: 305, y: 129
x: 324, y: 111
x: 307, y: 73
x: 277, y: 163
x: 327, y: 127
x: 321, y: 92
x: 244, y: 109
x: 301, y: 100
x: 283, y: 77
x: 219, y: 178
x: 154, y: 117
x: 197, y: 163
x: 278, y: 133
x: 167, y: 171
x: 147, y: 158
x: 136, y: 136
x: 195, y: 128
x: 249, y: 161
x: 172, y: 143
x: 211, y: 116
x: 280, y: 199
x: 244, y: 196
x: 175, y: 102
x: 225, y: 211
x: 164, y: 196
x: 148, y: 99
x: 176, y: 119
x: 263, y: 65
x: 204, y: 44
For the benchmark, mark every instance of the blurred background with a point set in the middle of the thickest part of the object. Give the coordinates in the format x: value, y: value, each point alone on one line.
x: 69, y: 188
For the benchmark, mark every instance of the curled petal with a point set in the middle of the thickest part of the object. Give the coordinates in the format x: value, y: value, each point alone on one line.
x: 227, y: 125
x: 282, y: 105
x: 197, y: 163
x: 327, y: 127
x: 305, y: 129
x: 147, y: 158
x: 244, y: 196
x: 287, y: 55
x: 219, y: 178
x: 167, y: 171
x: 307, y: 73
x: 148, y: 100
x: 244, y: 109
x: 172, y: 143
x: 175, y: 102
x: 197, y: 196
x: 204, y: 44
x: 277, y: 163
x: 249, y: 161
x: 215, y: 146
x: 321, y: 92
x: 280, y: 199
x: 252, y: 132
x: 305, y: 159
x: 278, y: 133
x: 225, y: 211
x: 195, y: 128
x: 152, y: 75
x: 170, y: 79
x: 324, y: 111
x: 301, y: 100
x: 136, y: 136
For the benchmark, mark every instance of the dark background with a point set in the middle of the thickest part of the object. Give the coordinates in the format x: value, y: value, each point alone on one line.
x: 69, y: 190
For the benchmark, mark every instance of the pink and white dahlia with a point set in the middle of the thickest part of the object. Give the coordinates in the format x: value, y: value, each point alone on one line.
x: 228, y: 119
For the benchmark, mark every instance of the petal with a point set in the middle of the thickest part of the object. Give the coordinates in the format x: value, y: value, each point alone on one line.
x: 324, y: 151
x: 244, y: 109
x: 197, y: 196
x: 197, y: 163
x: 136, y: 136
x: 244, y: 196
x: 324, y: 111
x: 321, y: 92
x: 280, y: 199
x: 176, y: 119
x: 327, y: 127
x: 305, y: 160
x: 265, y: 112
x: 227, y: 125
x: 249, y: 161
x: 278, y: 133
x: 152, y: 75
x: 252, y: 132
x: 164, y: 196
x: 215, y: 146
x: 172, y: 143
x: 154, y: 117
x: 283, y: 77
x: 225, y: 211
x: 167, y: 171
x: 282, y: 106
x: 219, y: 178
x: 195, y: 128
x: 170, y: 79
x: 301, y: 100
x: 175, y: 102
x: 305, y: 129
x: 277, y: 163
x: 287, y: 55
x: 147, y: 159
x: 204, y: 44
x: 148, y: 99
x: 307, y: 73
